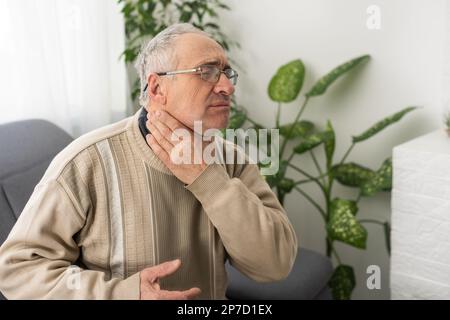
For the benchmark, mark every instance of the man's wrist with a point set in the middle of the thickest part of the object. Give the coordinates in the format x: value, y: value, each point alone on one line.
x: 210, y: 181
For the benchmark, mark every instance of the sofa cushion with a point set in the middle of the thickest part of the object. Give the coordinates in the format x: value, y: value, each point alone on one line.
x: 19, y: 187
x: 7, y: 218
x: 25, y: 143
x: 307, y: 280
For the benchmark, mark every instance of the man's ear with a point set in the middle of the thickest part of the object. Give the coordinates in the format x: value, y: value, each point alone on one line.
x: 154, y: 90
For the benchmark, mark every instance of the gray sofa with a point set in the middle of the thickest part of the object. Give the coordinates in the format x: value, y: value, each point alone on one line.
x: 27, y: 148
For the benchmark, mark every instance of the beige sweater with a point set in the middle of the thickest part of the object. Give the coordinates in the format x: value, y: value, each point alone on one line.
x: 110, y: 206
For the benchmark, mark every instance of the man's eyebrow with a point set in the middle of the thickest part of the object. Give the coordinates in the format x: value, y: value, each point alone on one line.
x: 214, y: 63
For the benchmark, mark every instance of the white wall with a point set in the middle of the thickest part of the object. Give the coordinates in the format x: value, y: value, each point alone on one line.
x: 406, y: 69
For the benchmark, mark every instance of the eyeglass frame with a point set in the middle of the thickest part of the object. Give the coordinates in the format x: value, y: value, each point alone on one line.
x: 197, y: 70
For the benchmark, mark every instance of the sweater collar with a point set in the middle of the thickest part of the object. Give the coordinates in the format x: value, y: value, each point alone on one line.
x: 142, y: 120
x: 136, y: 131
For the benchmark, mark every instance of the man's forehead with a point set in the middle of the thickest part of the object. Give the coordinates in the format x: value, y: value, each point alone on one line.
x: 195, y: 49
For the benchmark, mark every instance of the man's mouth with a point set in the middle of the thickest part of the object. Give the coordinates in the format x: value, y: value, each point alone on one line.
x: 220, y: 105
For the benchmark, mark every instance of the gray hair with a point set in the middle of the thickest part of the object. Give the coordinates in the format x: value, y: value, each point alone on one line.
x: 158, y: 56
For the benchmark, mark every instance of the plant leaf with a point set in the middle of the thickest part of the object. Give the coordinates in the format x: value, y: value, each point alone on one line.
x: 380, y: 125
x: 312, y: 141
x: 321, y: 86
x: 301, y: 129
x: 352, y: 174
x: 274, y: 180
x: 286, y: 185
x: 237, y: 119
x: 286, y: 84
x: 381, y: 180
x: 343, y: 225
x: 342, y: 282
x: 224, y: 6
x: 330, y: 144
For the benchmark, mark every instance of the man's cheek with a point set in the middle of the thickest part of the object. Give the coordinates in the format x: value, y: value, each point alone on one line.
x: 188, y: 118
x: 197, y: 112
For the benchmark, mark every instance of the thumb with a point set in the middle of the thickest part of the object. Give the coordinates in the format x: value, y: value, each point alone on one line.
x: 164, y: 269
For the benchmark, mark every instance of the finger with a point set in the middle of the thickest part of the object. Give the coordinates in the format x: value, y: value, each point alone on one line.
x: 164, y: 269
x: 149, y: 287
x: 179, y: 295
x: 165, y: 130
x: 169, y: 120
x: 192, y: 293
x: 170, y: 123
x: 160, y: 152
x: 171, y: 295
x: 163, y: 142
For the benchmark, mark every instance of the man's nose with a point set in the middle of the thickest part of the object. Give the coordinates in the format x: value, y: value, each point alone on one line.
x: 224, y: 86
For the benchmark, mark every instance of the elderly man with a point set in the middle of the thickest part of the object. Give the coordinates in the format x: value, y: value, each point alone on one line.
x: 115, y: 218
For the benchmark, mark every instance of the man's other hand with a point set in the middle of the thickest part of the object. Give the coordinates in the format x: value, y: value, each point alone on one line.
x: 150, y: 289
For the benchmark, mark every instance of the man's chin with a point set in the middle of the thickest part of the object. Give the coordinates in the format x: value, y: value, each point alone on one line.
x: 216, y: 123
x: 218, y: 126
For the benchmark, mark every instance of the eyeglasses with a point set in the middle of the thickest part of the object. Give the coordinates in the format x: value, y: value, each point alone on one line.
x: 208, y: 73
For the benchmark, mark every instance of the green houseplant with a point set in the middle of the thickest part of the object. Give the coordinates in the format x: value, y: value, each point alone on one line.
x: 339, y: 215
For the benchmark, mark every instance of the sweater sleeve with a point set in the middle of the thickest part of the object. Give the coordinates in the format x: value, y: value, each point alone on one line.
x: 251, y: 222
x: 37, y: 261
